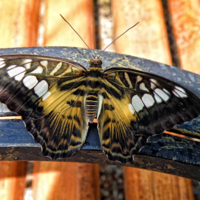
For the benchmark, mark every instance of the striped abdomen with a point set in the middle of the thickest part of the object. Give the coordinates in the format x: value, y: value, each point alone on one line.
x: 91, y: 105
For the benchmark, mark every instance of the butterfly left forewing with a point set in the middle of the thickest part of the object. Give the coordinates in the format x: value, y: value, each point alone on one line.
x: 50, y: 96
x: 143, y: 104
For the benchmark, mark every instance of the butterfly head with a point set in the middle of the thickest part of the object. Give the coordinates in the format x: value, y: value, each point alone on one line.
x: 95, y: 62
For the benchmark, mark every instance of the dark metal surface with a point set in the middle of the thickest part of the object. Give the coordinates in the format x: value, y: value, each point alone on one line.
x: 164, y: 153
x: 82, y: 56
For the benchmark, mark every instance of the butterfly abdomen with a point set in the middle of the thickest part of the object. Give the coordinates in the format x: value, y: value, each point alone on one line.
x: 94, y: 84
x: 91, y: 105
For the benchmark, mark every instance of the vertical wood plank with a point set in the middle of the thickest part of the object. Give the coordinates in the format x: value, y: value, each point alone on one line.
x: 185, y: 15
x: 79, y: 14
x: 19, y: 25
x: 147, y: 40
x: 12, y: 180
x: 60, y: 180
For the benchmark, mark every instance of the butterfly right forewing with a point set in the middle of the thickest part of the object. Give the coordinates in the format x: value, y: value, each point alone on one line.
x: 137, y: 105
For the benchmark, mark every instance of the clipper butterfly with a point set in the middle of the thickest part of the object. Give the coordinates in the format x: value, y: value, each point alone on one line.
x: 57, y: 97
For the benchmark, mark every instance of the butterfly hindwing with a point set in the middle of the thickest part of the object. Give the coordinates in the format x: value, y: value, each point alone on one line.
x: 115, y: 125
x: 49, y: 94
x: 137, y: 105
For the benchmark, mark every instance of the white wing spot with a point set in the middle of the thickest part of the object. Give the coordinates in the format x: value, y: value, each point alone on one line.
x: 148, y: 100
x: 138, y: 79
x: 20, y: 76
x: 2, y: 63
x: 161, y: 94
x: 131, y: 108
x: 38, y: 70
x: 179, y: 92
x: 157, y: 98
x: 128, y: 80
x: 100, y: 102
x: 166, y: 91
x: 11, y: 67
x: 46, y: 95
x: 133, y: 157
x: 143, y: 87
x: 181, y: 89
x: 58, y: 66
x: 153, y: 83
x: 27, y: 63
x: 41, y: 88
x: 137, y: 103
x: 17, y: 73
x: 44, y: 63
x: 30, y: 82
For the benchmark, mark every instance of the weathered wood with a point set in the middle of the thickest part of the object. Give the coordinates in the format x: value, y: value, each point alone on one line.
x: 147, y: 40
x: 185, y: 16
x: 164, y: 186
x: 79, y: 14
x: 19, y: 24
x: 67, y: 180
x: 148, y: 37
x: 12, y: 179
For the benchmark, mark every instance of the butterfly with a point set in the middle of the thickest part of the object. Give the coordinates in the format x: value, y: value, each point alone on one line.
x: 58, y: 98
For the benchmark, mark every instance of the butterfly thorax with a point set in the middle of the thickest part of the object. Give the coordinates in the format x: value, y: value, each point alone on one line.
x: 94, y: 83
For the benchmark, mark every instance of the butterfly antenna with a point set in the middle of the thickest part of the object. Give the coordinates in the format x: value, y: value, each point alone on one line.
x: 75, y: 31
x: 121, y: 35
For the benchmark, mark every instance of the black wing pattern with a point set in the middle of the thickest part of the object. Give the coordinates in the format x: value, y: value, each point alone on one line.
x: 47, y: 93
x: 51, y: 96
x: 135, y: 105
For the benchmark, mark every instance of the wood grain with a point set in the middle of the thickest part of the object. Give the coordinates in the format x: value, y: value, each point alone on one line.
x: 19, y: 23
x: 12, y: 180
x: 19, y: 26
x: 147, y: 40
x: 145, y: 185
x: 79, y: 14
x: 65, y: 181
x: 185, y: 15
x: 59, y: 180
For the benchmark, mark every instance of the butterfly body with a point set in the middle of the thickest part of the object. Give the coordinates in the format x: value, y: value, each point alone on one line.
x: 56, y: 98
x: 94, y: 84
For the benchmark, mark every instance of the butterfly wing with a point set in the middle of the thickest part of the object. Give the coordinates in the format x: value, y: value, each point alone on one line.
x: 135, y: 105
x: 50, y: 96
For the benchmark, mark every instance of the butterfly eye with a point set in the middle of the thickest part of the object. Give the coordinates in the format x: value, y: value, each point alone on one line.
x: 95, y: 62
x: 91, y: 61
x: 99, y: 62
